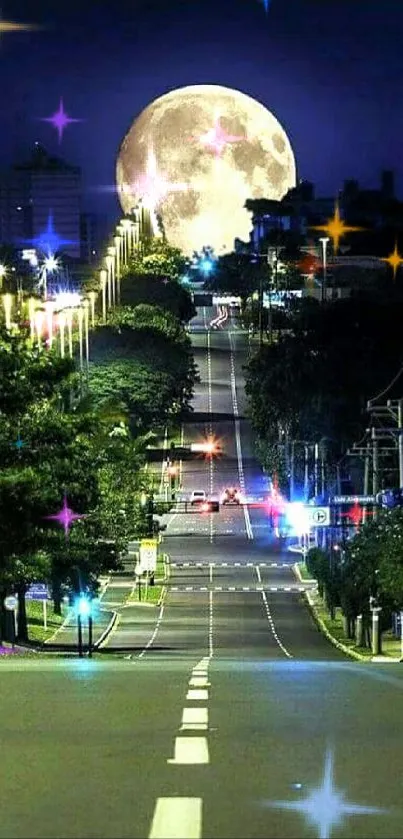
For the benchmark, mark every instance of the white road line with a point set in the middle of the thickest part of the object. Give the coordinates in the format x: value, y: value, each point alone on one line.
x: 190, y: 750
x: 152, y: 639
x: 177, y: 818
x: 199, y: 681
x: 192, y: 715
x: 197, y: 695
x: 211, y: 573
x: 257, y: 569
x: 210, y: 628
x: 272, y: 626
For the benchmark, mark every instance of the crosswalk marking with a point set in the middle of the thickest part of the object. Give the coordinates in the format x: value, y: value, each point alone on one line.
x: 231, y: 565
x: 256, y: 588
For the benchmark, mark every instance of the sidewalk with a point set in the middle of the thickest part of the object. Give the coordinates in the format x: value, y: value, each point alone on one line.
x: 350, y: 650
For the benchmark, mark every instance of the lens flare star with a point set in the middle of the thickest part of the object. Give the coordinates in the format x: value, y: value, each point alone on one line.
x: 60, y: 120
x: 65, y: 516
x: 395, y: 260
x: 152, y: 187
x: 49, y: 242
x: 335, y: 228
x: 325, y: 807
x: 216, y: 138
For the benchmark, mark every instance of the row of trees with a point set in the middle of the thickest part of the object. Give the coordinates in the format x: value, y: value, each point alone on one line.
x: 368, y: 566
x: 313, y: 383
x: 91, y: 451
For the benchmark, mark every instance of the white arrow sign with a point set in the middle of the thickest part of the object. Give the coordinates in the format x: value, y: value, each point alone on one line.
x: 318, y: 516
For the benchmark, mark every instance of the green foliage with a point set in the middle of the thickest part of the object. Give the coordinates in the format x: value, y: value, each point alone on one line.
x: 152, y: 289
x: 28, y: 374
x: 315, y: 381
x: 159, y: 258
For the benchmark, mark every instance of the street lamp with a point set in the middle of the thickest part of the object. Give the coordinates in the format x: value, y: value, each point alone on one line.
x: 112, y: 253
x: 109, y: 261
x: 3, y: 272
x: 92, y: 296
x: 103, y: 277
x: 324, y: 240
x: 49, y: 306
x: 8, y: 304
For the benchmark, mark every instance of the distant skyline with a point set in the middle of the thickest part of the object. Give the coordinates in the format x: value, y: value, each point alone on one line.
x: 331, y: 73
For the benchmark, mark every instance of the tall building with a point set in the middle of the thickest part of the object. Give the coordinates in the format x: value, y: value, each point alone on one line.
x: 94, y: 233
x: 40, y: 204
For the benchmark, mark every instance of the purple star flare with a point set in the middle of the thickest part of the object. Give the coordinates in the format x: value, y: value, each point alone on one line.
x: 216, y: 138
x: 60, y: 120
x: 65, y: 516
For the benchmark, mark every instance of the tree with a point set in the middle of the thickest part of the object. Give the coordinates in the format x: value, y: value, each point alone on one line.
x: 159, y: 258
x: 154, y: 290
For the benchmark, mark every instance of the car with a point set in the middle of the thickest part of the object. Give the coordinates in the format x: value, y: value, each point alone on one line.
x: 231, y: 495
x: 198, y: 496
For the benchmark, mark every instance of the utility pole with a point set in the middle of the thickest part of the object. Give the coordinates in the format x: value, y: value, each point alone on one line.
x: 292, y: 471
x: 316, y: 469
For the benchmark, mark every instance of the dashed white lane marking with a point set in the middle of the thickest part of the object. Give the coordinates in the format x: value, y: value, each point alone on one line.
x: 177, y: 818
x: 210, y: 629
x: 197, y: 695
x: 211, y: 572
x: 152, y: 639
x: 228, y: 565
x: 190, y: 750
x: 263, y: 587
x: 199, y: 681
x: 270, y: 619
x: 194, y: 718
x: 238, y: 444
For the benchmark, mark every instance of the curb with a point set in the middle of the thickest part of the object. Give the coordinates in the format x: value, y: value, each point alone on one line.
x: 376, y: 659
x: 323, y: 628
x: 97, y: 644
x: 163, y: 593
x: 302, y: 579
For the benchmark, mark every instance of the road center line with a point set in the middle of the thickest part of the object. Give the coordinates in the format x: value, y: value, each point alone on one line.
x: 177, y: 818
x: 190, y: 750
x: 197, y: 695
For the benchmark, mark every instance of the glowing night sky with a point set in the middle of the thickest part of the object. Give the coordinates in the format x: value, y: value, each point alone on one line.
x: 329, y: 70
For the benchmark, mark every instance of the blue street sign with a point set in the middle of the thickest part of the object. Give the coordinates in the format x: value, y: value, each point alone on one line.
x: 38, y: 591
x: 353, y: 499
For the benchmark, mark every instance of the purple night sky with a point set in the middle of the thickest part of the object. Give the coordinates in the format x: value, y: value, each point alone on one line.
x: 330, y: 70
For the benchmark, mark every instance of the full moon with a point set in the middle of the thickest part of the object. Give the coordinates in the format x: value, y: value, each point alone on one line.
x: 195, y: 155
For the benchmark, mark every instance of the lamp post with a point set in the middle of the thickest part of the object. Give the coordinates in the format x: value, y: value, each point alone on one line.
x: 39, y: 321
x: 32, y: 303
x: 113, y: 262
x: 120, y: 231
x: 61, y: 320
x: 69, y: 320
x: 126, y: 224
x: 103, y: 277
x: 86, y: 305
x: 92, y: 296
x: 3, y: 272
x: 8, y: 305
x: 324, y: 240
x: 109, y: 261
x: 49, y: 307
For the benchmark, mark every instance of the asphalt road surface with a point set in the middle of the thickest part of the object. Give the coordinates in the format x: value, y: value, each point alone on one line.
x: 222, y: 713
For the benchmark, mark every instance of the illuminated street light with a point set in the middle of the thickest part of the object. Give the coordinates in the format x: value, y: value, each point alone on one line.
x: 8, y: 305
x: 61, y: 321
x: 112, y: 253
x: 92, y: 296
x: 32, y: 304
x: 103, y: 274
x: 49, y: 307
x: 109, y: 261
x: 39, y: 322
x: 3, y: 272
x: 324, y: 240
